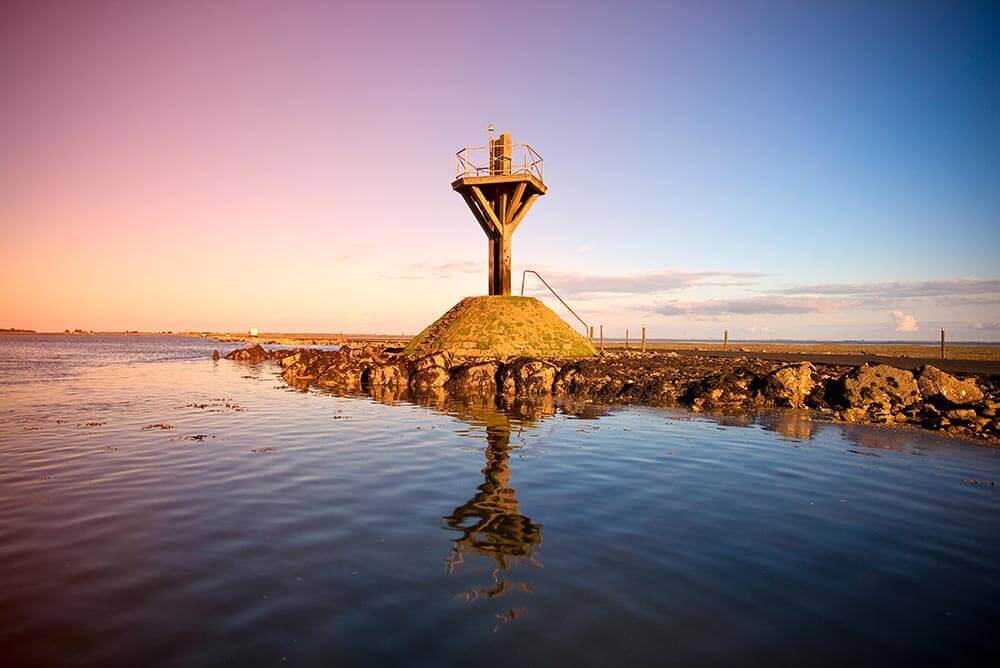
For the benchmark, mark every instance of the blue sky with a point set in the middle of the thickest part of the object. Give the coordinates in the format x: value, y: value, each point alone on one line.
x: 810, y: 143
x: 821, y: 170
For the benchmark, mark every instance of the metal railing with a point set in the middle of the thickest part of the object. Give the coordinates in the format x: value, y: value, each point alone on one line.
x: 476, y: 161
x: 586, y: 327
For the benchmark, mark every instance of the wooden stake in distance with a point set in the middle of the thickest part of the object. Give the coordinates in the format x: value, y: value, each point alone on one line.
x: 591, y: 333
x: 626, y: 338
x: 602, y: 339
x: 942, y: 343
x: 725, y: 340
x: 644, y: 338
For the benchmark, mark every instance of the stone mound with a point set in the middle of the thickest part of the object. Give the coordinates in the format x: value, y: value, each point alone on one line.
x: 500, y: 327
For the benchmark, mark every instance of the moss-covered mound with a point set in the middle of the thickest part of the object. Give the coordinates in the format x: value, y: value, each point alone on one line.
x: 501, y: 327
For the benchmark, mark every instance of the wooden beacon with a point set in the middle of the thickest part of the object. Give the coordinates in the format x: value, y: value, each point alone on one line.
x: 499, y: 182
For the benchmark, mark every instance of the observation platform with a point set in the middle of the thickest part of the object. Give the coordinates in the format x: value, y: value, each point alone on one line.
x: 499, y: 183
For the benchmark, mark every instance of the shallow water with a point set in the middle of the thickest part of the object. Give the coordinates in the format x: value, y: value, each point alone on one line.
x: 270, y: 525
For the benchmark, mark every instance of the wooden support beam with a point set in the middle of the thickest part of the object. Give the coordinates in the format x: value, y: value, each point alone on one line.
x: 491, y: 286
x: 487, y: 209
x: 501, y: 208
x: 515, y: 203
x: 504, y: 277
x: 522, y: 212
x: 478, y: 214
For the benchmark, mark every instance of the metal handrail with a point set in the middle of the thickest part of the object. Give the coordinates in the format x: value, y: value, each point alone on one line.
x: 586, y: 327
x: 476, y: 161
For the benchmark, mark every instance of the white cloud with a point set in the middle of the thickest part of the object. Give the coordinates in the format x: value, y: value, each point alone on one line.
x: 904, y: 322
x: 759, y: 304
x: 669, y: 280
x: 992, y: 326
x: 903, y: 289
x: 438, y: 270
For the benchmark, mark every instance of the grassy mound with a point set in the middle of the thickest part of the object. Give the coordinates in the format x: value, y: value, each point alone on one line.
x: 501, y: 327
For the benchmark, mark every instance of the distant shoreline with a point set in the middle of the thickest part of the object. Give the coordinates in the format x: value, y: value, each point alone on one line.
x: 959, y: 356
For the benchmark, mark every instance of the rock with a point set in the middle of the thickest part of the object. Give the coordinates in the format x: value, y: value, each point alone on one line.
x: 215, y: 355
x: 389, y: 374
x: 252, y: 354
x: 474, y: 378
x: 589, y: 380
x: 430, y: 371
x: 340, y: 372
x: 528, y: 377
x: 726, y: 390
x: 879, y: 387
x: 854, y: 415
x: 789, y: 386
x: 961, y: 415
x: 305, y: 364
x: 367, y: 353
x: 940, y: 387
x: 289, y: 360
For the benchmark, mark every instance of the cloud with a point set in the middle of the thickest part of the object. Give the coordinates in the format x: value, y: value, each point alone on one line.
x: 586, y: 285
x: 990, y: 326
x: 902, y: 289
x: 759, y: 304
x: 439, y: 270
x: 904, y: 322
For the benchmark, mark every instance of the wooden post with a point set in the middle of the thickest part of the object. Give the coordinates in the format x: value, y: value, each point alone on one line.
x: 626, y: 338
x: 602, y: 339
x: 491, y: 279
x: 591, y: 333
x: 505, y: 263
x: 942, y: 343
x: 725, y: 341
x: 644, y: 338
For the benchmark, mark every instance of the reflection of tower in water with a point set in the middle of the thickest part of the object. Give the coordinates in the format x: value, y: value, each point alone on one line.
x: 490, y: 523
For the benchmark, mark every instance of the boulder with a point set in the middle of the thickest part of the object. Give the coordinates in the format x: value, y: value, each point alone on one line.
x: 388, y: 374
x: 430, y: 371
x: 723, y: 390
x: 880, y: 386
x: 252, y: 354
x: 588, y: 380
x: 305, y: 364
x: 528, y: 377
x: 942, y: 388
x: 341, y: 372
x: 289, y: 360
x: 474, y: 378
x: 215, y: 355
x: 961, y: 415
x: 368, y: 353
x: 854, y: 415
x: 790, y: 385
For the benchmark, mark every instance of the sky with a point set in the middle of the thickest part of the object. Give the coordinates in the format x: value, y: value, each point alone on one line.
x: 809, y: 170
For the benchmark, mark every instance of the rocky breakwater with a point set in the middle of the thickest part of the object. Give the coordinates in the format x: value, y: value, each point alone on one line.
x: 927, y: 397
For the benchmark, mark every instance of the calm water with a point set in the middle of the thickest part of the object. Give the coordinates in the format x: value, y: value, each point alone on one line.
x: 274, y: 526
